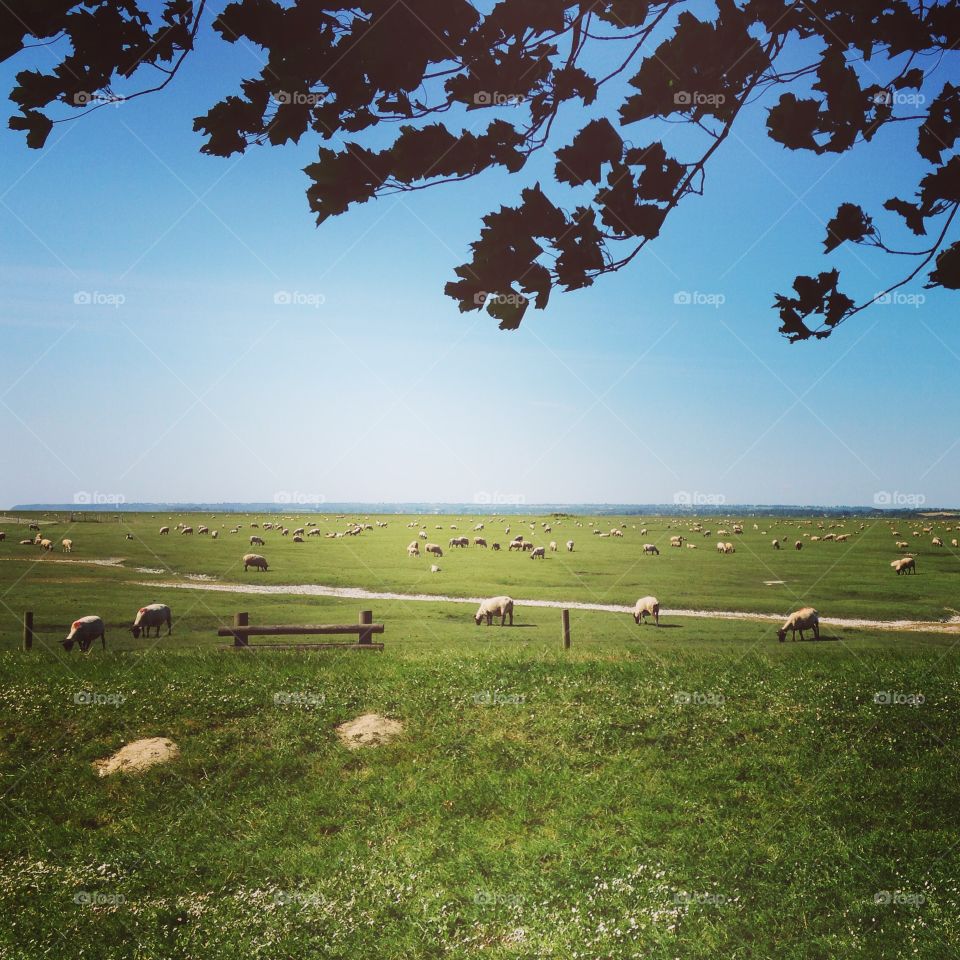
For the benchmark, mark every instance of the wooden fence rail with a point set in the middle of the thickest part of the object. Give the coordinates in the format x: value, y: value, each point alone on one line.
x: 241, y: 631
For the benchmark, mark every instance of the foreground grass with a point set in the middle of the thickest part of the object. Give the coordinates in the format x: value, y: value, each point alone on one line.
x: 664, y: 800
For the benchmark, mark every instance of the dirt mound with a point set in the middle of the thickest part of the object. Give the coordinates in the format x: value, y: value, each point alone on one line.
x: 368, y: 730
x: 138, y: 756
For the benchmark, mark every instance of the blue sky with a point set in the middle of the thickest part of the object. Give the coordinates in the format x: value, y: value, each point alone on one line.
x: 198, y: 386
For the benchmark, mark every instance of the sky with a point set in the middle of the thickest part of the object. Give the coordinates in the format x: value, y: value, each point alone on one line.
x: 146, y: 356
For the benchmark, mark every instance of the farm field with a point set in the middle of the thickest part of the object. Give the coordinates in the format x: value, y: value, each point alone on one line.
x: 689, y: 791
x: 847, y: 580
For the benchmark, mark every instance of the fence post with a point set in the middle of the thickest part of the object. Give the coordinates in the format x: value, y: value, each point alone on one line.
x: 240, y: 620
x: 366, y: 636
x: 565, y: 620
x: 28, y: 630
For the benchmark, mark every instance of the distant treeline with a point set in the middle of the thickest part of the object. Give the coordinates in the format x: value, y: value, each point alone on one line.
x: 481, y: 508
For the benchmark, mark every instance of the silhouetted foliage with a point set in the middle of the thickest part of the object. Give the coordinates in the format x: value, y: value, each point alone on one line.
x: 433, y: 68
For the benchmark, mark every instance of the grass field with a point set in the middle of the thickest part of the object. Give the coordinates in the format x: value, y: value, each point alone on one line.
x: 693, y: 791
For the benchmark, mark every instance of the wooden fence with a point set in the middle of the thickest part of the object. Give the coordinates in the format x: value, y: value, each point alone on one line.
x: 242, y: 630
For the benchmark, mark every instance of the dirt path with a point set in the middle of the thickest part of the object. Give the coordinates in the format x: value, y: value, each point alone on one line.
x: 358, y: 593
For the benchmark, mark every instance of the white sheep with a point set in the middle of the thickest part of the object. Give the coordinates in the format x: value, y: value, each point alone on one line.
x: 553, y: 546
x: 413, y: 550
x: 805, y: 619
x: 799, y: 545
x: 215, y: 534
x: 152, y: 615
x: 186, y: 531
x: 434, y: 549
x: 651, y: 548
x: 256, y: 541
x: 937, y: 542
x: 479, y: 542
x: 495, y: 605
x: 646, y: 607
x: 569, y: 546
x: 83, y: 632
x: 46, y: 545
x: 422, y: 535
x: 904, y: 565
x: 776, y: 544
x: 66, y: 546
x: 164, y: 531
x: 434, y: 568
x: 539, y: 553
x: 254, y: 560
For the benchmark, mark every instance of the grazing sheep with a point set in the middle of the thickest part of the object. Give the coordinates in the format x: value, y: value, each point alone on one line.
x: 152, y: 615
x: 256, y: 541
x: 953, y: 543
x: 254, y: 560
x: 129, y: 536
x: 83, y: 632
x: 66, y: 546
x: 721, y: 547
x: 479, y: 542
x: 422, y: 535
x: 776, y: 544
x: 3, y: 536
x: 413, y: 550
x: 729, y: 548
x: 647, y: 607
x: 215, y: 534
x: 188, y: 531
x: 494, y: 546
x: 35, y: 527
x: 515, y: 545
x: 434, y: 549
x: 904, y: 565
x: 569, y: 546
x: 458, y: 542
x: 434, y: 568
x: 553, y: 546
x: 299, y: 532
x: 538, y: 553
x: 527, y: 545
x: 651, y: 548
x: 164, y: 531
x: 495, y: 605
x: 643, y: 531
x: 937, y: 542
x: 479, y: 526
x: 298, y: 539
x: 805, y: 619
x: 46, y: 545
x: 799, y: 545
x: 202, y: 529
